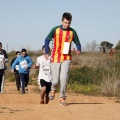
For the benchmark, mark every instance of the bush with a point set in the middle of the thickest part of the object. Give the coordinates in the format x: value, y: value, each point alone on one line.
x: 10, y: 77
x: 84, y: 75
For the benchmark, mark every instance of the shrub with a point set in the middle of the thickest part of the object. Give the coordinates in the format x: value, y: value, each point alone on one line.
x: 10, y: 77
x: 84, y: 75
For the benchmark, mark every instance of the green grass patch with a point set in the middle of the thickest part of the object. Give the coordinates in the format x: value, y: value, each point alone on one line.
x: 85, y: 89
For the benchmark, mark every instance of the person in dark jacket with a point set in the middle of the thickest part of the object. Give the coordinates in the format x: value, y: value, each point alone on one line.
x: 16, y: 72
x: 3, y: 60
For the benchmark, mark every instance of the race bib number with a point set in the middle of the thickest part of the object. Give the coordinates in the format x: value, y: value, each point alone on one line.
x: 66, y: 48
x: 17, y: 67
x: 1, y: 57
x: 23, y: 64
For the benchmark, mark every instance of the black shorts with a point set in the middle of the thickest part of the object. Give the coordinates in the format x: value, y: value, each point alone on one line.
x: 47, y: 84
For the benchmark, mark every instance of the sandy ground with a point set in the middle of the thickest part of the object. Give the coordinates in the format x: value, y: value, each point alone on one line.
x: 16, y: 106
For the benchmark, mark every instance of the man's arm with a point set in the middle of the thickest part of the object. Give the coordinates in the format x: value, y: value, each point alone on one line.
x: 78, y: 49
x: 47, y: 41
x: 77, y: 42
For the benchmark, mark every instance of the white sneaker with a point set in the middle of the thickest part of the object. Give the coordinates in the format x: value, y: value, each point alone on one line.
x: 26, y: 89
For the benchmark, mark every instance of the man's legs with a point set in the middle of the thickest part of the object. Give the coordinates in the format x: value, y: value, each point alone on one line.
x: 65, y: 66
x: 55, y: 69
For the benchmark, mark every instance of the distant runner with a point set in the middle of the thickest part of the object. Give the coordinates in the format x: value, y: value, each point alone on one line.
x: 3, y: 60
x: 25, y: 62
x: 16, y: 72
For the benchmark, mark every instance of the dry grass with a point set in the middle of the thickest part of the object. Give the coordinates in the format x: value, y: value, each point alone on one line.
x: 107, y: 69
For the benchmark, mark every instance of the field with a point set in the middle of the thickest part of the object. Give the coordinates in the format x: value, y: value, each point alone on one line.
x: 15, y: 106
x: 85, y: 102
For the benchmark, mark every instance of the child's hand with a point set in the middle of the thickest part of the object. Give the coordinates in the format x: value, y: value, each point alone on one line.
x: 34, y: 66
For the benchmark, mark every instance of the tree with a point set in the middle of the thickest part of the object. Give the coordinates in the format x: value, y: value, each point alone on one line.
x: 106, y: 44
x: 117, y: 47
x: 93, y: 46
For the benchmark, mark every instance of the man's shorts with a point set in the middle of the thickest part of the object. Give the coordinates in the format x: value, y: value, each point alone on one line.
x: 43, y: 83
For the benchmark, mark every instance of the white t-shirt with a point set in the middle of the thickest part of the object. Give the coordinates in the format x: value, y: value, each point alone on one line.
x: 44, y: 69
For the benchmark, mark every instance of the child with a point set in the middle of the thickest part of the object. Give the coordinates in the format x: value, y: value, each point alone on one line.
x: 16, y: 71
x: 24, y: 62
x: 44, y: 76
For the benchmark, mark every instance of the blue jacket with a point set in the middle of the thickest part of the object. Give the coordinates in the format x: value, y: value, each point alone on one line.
x: 22, y: 62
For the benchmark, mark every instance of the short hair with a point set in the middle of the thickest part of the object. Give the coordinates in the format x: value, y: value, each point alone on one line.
x: 44, y: 47
x: 0, y: 43
x: 67, y: 16
x: 18, y: 52
x: 23, y: 50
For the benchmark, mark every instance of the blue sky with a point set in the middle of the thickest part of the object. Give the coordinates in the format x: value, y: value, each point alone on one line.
x: 26, y: 23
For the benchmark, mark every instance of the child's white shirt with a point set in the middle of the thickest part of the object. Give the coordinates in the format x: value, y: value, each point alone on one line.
x: 44, y: 68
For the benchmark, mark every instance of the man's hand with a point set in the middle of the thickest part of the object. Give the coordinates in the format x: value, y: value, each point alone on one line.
x: 46, y: 56
x: 77, y: 52
x: 12, y: 71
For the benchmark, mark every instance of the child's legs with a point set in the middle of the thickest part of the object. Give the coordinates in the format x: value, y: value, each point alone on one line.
x: 17, y: 77
x: 42, y: 93
x: 55, y: 70
x: 26, y: 79
x: 43, y: 89
x: 22, y: 78
x: 65, y: 66
x: 48, y: 89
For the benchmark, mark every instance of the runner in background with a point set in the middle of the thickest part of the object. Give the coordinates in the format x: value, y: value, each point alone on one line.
x: 3, y: 60
x: 25, y: 62
x: 16, y: 72
x: 3, y: 80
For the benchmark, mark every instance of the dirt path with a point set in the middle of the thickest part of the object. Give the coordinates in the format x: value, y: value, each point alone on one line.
x: 15, y: 106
